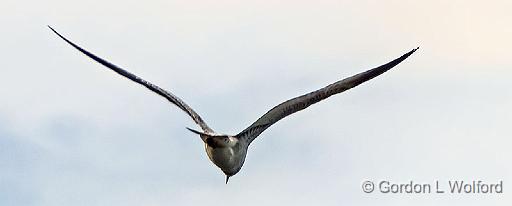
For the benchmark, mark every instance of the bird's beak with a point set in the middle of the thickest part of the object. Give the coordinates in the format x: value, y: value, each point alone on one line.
x: 195, y: 131
x: 201, y: 134
x: 227, y: 179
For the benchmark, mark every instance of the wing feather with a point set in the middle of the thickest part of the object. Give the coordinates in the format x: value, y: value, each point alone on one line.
x: 169, y: 96
x: 302, y: 102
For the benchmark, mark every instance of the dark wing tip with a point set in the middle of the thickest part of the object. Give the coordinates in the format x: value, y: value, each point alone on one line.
x: 398, y: 60
x: 73, y: 44
x: 412, y: 51
x: 54, y: 30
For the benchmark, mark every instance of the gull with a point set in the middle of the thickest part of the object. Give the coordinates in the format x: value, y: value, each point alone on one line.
x: 228, y: 152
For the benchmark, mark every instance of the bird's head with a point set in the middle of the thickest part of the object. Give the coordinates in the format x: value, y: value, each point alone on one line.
x: 216, y: 140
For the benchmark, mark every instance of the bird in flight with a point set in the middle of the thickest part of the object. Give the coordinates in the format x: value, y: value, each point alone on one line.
x: 228, y: 151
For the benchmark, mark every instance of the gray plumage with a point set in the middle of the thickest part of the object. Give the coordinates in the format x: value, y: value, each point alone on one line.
x: 229, y: 152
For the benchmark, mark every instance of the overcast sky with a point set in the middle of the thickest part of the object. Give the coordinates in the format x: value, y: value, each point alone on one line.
x: 74, y: 133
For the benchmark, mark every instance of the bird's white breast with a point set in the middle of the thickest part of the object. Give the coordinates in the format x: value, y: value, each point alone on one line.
x: 228, y: 159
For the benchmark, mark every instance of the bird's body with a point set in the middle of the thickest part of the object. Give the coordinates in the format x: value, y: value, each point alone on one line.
x: 228, y: 152
x: 229, y: 158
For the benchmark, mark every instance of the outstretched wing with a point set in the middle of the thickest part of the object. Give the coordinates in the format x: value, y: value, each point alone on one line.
x: 169, y: 96
x: 302, y: 102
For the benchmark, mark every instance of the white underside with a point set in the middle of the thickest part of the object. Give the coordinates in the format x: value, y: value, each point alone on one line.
x: 228, y: 159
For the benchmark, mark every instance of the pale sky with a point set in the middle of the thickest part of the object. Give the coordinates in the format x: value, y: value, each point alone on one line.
x: 74, y: 133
